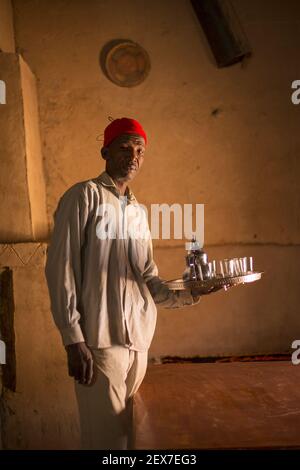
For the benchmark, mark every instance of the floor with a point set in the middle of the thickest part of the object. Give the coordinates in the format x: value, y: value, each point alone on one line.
x: 218, y: 406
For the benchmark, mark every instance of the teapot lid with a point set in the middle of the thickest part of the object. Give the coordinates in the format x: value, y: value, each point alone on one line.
x: 193, y: 245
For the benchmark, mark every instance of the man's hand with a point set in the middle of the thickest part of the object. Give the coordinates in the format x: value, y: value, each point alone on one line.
x: 80, y: 363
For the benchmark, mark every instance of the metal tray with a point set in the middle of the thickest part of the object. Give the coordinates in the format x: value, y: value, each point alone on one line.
x: 219, y: 281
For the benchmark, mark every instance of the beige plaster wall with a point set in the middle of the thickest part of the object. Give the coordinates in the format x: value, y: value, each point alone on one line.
x: 241, y: 160
x: 22, y: 182
x: 7, y: 40
x: 34, y: 161
x: 42, y: 413
x: 15, y: 207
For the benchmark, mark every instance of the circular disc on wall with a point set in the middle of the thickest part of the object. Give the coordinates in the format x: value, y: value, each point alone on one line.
x: 126, y: 63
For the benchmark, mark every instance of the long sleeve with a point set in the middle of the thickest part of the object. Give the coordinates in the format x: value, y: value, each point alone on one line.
x: 63, y: 265
x: 162, y: 295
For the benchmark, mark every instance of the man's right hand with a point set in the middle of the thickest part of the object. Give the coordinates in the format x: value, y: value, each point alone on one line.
x: 80, y: 363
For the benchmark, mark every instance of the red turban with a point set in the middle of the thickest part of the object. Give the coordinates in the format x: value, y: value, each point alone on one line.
x: 122, y: 126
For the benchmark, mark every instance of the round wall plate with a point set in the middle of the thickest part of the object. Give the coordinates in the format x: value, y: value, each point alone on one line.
x: 126, y: 64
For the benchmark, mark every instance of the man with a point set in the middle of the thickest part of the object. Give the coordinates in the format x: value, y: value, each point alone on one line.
x: 103, y: 290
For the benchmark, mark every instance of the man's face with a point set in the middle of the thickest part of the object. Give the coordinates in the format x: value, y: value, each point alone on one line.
x: 125, y: 156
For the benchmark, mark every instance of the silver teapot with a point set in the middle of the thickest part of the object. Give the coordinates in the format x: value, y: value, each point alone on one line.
x: 197, y: 268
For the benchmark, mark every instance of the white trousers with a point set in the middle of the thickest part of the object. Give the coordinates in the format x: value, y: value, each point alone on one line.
x: 105, y: 406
